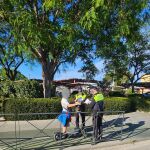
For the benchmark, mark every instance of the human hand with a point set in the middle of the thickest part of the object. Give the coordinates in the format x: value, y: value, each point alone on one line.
x: 77, y: 103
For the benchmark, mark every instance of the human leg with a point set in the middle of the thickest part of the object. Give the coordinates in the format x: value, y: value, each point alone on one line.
x: 95, y: 129
x: 83, y: 119
x: 99, y: 124
x: 77, y: 120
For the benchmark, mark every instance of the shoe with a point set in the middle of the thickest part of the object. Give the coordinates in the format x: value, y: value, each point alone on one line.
x: 64, y: 136
x: 99, y: 137
x: 77, y: 129
x: 83, y: 128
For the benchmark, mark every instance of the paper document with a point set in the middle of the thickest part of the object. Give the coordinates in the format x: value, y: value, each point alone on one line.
x: 87, y: 101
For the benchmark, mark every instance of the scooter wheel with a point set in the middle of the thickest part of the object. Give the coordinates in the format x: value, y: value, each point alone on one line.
x: 57, y: 136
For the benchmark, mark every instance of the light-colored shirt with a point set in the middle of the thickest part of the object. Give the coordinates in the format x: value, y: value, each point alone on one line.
x: 64, y: 104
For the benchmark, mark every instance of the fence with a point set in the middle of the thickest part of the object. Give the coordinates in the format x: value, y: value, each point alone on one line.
x: 25, y: 133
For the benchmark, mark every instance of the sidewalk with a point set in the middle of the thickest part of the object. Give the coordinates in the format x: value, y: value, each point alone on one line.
x: 135, y: 134
x: 116, y: 145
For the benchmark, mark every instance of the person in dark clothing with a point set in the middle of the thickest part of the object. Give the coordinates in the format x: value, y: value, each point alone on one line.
x: 97, y: 105
x: 80, y: 109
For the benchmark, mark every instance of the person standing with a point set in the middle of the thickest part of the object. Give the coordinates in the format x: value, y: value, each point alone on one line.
x: 80, y: 109
x: 97, y: 106
x: 65, y: 116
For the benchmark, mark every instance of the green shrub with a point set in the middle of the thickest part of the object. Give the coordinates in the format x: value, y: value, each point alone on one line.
x: 42, y: 105
x: 116, y: 94
x: 1, y: 105
x: 28, y: 89
x: 21, y: 89
x: 117, y: 104
x: 143, y: 104
x: 7, y: 89
x: 2, y: 101
x: 128, y: 91
x: 33, y: 105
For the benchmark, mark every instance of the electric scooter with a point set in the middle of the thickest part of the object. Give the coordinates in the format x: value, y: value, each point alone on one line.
x: 74, y: 134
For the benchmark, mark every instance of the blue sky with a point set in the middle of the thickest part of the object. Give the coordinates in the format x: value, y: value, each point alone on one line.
x: 35, y: 71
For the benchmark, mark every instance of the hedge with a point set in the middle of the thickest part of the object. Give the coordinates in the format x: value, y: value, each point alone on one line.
x: 116, y: 94
x: 34, y: 105
x: 117, y: 104
x: 41, y: 105
x: 143, y: 104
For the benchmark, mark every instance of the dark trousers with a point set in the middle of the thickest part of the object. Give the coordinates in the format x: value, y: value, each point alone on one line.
x: 78, y: 114
x: 97, y: 126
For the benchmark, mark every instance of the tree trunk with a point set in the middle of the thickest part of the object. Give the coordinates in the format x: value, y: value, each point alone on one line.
x: 47, y: 75
x: 11, y: 75
x: 132, y: 87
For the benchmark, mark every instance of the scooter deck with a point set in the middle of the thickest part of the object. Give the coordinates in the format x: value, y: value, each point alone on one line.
x: 72, y: 134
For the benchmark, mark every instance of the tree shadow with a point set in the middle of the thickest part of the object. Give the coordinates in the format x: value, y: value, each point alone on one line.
x: 129, y: 130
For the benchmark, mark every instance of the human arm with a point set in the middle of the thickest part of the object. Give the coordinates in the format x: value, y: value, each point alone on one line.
x: 72, y: 105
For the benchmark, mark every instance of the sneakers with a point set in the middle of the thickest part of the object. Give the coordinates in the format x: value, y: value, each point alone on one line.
x: 64, y: 136
x: 77, y: 129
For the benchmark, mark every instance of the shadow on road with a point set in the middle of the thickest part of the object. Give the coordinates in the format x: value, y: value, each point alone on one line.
x: 111, y: 132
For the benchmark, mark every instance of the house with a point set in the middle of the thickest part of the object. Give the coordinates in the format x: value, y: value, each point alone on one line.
x: 75, y: 84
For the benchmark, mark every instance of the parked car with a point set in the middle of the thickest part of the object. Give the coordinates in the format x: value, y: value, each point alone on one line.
x: 147, y: 94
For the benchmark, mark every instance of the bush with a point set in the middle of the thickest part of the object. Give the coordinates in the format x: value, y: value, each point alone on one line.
x: 42, y: 105
x: 143, y: 104
x: 2, y: 101
x: 117, y: 104
x: 28, y: 89
x: 33, y: 105
x: 21, y: 89
x: 128, y: 91
x: 117, y: 94
x: 1, y: 105
x: 7, y: 89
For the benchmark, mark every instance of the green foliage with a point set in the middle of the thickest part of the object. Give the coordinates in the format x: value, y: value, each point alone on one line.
x: 128, y: 91
x: 2, y: 101
x: 21, y: 89
x: 10, y: 56
x: 57, y: 32
x: 3, y: 75
x: 7, y: 89
x: 28, y: 89
x: 132, y: 60
x: 49, y: 31
x: 33, y: 105
x: 143, y: 105
x: 89, y: 70
x: 53, y: 105
x: 139, y: 102
x: 100, y: 14
x: 1, y: 105
x: 117, y: 104
x: 116, y: 94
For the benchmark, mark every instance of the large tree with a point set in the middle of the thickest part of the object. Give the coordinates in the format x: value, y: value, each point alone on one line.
x: 134, y: 61
x: 89, y: 70
x: 49, y: 31
x: 115, y: 27
x: 10, y: 56
x: 112, y: 23
x: 57, y: 31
